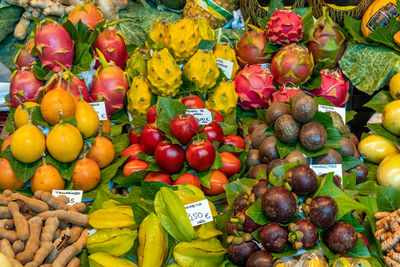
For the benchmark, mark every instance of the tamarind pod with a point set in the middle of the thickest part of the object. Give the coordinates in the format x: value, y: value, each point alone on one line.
x: 101, y: 259
x: 7, y: 249
x: 7, y: 192
x: 120, y: 4
x: 108, y: 8
x: 67, y: 216
x: 75, y: 262
x: 58, y: 245
x: 4, y: 200
x: 46, y: 265
x: 76, y: 232
x: 15, y: 263
x: 77, y: 207
x: 8, y: 234
x: 41, y: 254
x: 115, y: 217
x: 5, y: 213
x: 63, y: 198
x: 32, y: 245
x: 115, y: 242
x: 51, y: 200
x: 18, y: 246
x: 62, y: 225
x: 49, y: 229
x: 21, y: 224
x: 152, y: 242
x: 20, y: 3
x: 7, y: 224
x: 34, y: 204
x: 70, y: 252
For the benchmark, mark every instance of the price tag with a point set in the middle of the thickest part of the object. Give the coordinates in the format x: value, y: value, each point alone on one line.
x: 327, y: 168
x: 199, y: 212
x: 74, y: 196
x: 226, y: 67
x: 92, y: 231
x: 100, y: 108
x: 341, y: 111
x: 203, y: 115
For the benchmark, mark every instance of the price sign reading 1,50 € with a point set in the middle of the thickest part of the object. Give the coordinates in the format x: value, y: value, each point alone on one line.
x: 199, y: 212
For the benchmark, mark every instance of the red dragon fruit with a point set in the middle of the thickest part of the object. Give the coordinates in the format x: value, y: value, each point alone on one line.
x: 250, y: 49
x: 53, y: 43
x: 25, y: 86
x: 293, y: 65
x: 88, y: 13
x: 333, y: 87
x: 254, y: 86
x: 285, y: 27
x: 24, y: 57
x: 70, y: 83
x: 284, y: 94
x: 113, y: 47
x: 110, y: 85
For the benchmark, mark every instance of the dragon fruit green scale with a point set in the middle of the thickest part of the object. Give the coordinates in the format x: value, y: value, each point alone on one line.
x: 164, y: 75
x: 202, y: 69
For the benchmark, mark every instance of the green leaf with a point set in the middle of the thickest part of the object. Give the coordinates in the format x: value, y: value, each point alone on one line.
x: 256, y: 213
x: 120, y: 117
x: 360, y: 250
x: 284, y: 149
x: 65, y: 169
x: 261, y: 115
x: 9, y: 124
x: 233, y: 190
x: 323, y: 101
x: 229, y: 148
x: 353, y: 221
x: 167, y: 109
x: 350, y: 115
x: 367, y: 188
x: 371, y: 170
x: 353, y: 27
x: 273, y: 6
x: 384, y: 34
x: 380, y: 130
x: 277, y: 174
x: 271, y: 48
x: 349, y: 162
x: 287, y: 252
x: 379, y: 101
x: 9, y: 17
x: 120, y: 143
x: 229, y: 126
x: 150, y: 188
x: 388, y: 198
x: 134, y: 179
x: 314, y: 82
x: 109, y: 172
x: 206, y: 44
x: 308, y: 21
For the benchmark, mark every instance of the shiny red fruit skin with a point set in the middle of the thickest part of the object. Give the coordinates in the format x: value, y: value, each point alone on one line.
x: 193, y: 101
x: 231, y: 164
x: 134, y: 166
x: 188, y: 178
x: 184, y: 127
x: 150, y: 138
x: 218, y: 116
x: 152, y: 114
x: 236, y: 141
x: 214, y: 132
x: 133, y: 137
x: 217, y: 180
x: 200, y: 155
x: 158, y: 177
x: 132, y: 152
x: 169, y: 157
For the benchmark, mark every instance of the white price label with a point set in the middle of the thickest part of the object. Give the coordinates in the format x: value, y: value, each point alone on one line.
x: 226, y: 67
x: 341, y: 111
x: 92, y: 231
x: 74, y: 196
x: 199, y: 212
x: 202, y: 115
x: 327, y: 168
x: 100, y: 108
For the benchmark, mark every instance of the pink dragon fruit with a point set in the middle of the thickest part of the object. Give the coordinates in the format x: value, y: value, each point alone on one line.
x: 293, y: 65
x: 24, y: 86
x: 24, y: 57
x: 71, y: 84
x: 254, y: 86
x: 53, y: 43
x: 110, y: 85
x: 285, y: 27
x: 112, y: 46
x: 334, y: 88
x: 284, y: 94
x: 250, y: 49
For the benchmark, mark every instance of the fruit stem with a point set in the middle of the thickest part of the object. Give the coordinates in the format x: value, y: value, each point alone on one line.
x: 44, y: 159
x: 60, y: 115
x: 102, y: 59
x: 84, y: 149
x: 19, y: 101
x: 65, y: 68
x: 101, y: 128
x: 80, y: 92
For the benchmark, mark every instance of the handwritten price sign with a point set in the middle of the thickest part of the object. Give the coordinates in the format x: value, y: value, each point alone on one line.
x: 199, y: 212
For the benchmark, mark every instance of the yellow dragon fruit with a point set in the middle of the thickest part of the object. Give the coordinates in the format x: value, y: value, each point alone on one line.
x: 136, y: 64
x: 202, y: 69
x: 226, y: 52
x: 164, y: 75
x: 183, y: 39
x: 224, y: 98
x: 139, y: 96
x: 159, y: 33
x: 205, y: 31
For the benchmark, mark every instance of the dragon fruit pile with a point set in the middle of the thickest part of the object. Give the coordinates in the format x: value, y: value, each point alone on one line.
x: 287, y: 63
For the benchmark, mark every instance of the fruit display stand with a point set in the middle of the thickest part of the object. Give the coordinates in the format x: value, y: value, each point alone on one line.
x: 141, y: 136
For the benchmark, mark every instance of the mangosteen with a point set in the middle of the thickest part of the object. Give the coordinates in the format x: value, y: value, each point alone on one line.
x: 248, y: 224
x: 313, y: 136
x: 268, y: 151
x: 354, y: 139
x: 303, y: 107
x: 275, y: 110
x: 259, y: 188
x: 297, y: 155
x: 341, y: 238
x: 303, y: 234
x: 279, y: 204
x: 347, y: 146
x: 252, y: 158
x: 240, y: 203
x: 361, y: 173
x: 256, y: 169
x: 302, y: 180
x: 338, y: 122
x: 240, y: 248
x: 252, y: 126
x: 323, y: 211
x: 337, y: 180
x: 258, y: 135
x: 273, y: 237
x: 275, y: 163
x: 332, y: 157
x: 232, y: 226
x: 356, y: 154
x: 260, y: 258
x: 287, y: 129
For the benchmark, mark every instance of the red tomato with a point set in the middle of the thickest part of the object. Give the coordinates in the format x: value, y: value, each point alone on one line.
x: 134, y: 166
x: 158, y: 177
x: 231, y: 164
x: 200, y: 155
x: 150, y: 138
x: 152, y: 114
x: 217, y: 180
x: 214, y: 132
x: 218, y: 116
x: 188, y: 178
x: 234, y: 140
x: 132, y: 151
x: 134, y: 137
x: 193, y: 101
x: 169, y: 157
x: 184, y: 127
